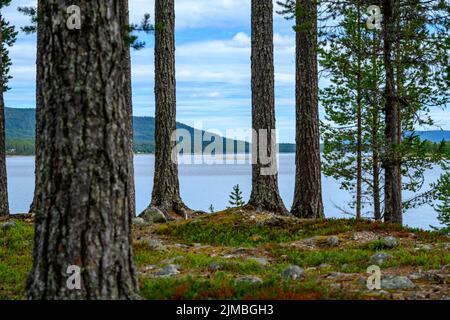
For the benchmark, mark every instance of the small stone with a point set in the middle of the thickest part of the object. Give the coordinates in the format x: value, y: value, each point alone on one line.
x: 139, y: 221
x: 380, y: 257
x: 333, y: 241
x: 324, y: 266
x: 249, y: 280
x: 9, y: 225
x: 397, y: 283
x: 181, y: 245
x: 155, y: 244
x: 292, y: 272
x: 149, y: 267
x: 260, y: 261
x: 390, y: 242
x: 215, y: 266
x: 334, y: 275
x: 446, y: 267
x: 231, y: 256
x: 168, y: 271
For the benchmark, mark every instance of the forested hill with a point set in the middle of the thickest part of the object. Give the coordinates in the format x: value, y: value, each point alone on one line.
x: 20, y: 132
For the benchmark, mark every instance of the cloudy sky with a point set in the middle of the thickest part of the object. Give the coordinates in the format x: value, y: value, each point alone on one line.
x: 213, y: 66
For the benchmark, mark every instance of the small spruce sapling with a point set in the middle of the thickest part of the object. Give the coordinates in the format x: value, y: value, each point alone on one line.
x: 236, y: 199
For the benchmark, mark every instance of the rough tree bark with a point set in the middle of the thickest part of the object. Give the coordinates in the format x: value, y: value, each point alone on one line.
x: 166, y: 188
x: 37, y: 163
x: 4, y: 205
x: 359, y: 115
x: 128, y: 94
x: 265, y: 195
x: 391, y: 159
x: 84, y: 218
x: 308, y: 187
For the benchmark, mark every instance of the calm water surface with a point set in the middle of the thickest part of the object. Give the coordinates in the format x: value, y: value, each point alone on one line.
x: 203, y: 185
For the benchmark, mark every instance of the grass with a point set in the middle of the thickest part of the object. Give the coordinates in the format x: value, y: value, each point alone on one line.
x: 15, y: 260
x: 223, y: 234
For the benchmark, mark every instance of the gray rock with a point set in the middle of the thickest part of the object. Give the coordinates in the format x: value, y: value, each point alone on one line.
x: 249, y: 280
x: 155, y: 244
x: 396, y: 283
x: 168, y: 271
x: 260, y: 261
x: 311, y: 240
x: 292, y: 273
x: 214, y: 266
x: 334, y: 275
x: 333, y: 241
x: 153, y: 215
x: 9, y: 225
x: 380, y: 257
x: 181, y: 245
x: 424, y: 247
x: 446, y: 267
x: 139, y: 221
x: 324, y: 266
x: 390, y: 242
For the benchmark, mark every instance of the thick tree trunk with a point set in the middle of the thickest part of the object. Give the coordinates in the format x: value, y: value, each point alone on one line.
x: 308, y: 187
x: 84, y: 216
x: 166, y: 189
x: 265, y: 195
x: 4, y: 206
x: 38, y: 129
x: 128, y: 93
x: 391, y: 161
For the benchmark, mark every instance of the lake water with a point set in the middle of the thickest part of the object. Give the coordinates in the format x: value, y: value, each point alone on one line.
x: 203, y: 185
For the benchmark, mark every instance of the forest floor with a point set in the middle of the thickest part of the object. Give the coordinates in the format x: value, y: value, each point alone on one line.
x: 246, y: 255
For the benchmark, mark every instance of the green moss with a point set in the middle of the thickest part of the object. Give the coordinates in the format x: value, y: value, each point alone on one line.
x: 15, y: 260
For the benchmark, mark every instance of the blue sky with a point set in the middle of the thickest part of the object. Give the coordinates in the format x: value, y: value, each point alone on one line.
x: 213, y: 66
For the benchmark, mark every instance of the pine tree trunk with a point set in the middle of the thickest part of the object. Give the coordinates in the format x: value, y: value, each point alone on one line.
x: 84, y: 218
x: 391, y: 161
x: 308, y: 192
x: 375, y: 143
x: 265, y: 195
x: 166, y: 189
x: 128, y: 93
x: 38, y: 129
x: 359, y: 155
x: 4, y: 206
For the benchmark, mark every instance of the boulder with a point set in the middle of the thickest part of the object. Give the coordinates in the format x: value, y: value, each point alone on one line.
x: 249, y: 280
x: 380, y: 257
x: 396, y: 283
x: 9, y: 225
x: 168, y: 271
x: 390, y: 242
x: 153, y: 215
x: 292, y: 273
x: 333, y: 241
